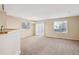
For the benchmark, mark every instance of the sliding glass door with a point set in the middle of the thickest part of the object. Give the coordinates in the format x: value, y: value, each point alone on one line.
x: 40, y: 29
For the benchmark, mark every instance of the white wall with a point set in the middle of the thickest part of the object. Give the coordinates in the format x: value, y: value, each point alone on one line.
x: 16, y: 23
x: 0, y: 7
x: 2, y: 19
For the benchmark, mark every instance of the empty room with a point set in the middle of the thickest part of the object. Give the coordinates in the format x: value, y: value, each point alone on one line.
x: 39, y: 29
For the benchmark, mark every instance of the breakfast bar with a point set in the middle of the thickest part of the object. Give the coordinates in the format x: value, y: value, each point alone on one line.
x: 10, y: 42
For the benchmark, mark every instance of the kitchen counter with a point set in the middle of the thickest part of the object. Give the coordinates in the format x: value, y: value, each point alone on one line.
x: 5, y: 31
x: 10, y: 42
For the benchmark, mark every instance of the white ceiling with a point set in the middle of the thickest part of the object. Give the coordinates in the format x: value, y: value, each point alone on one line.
x: 41, y: 11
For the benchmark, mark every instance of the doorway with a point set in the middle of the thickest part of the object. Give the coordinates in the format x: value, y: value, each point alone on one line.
x: 39, y: 29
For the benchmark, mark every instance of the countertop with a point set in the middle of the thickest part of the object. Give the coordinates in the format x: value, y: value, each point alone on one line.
x: 6, y: 31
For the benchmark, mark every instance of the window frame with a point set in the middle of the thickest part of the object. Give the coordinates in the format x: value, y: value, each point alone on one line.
x: 61, y: 21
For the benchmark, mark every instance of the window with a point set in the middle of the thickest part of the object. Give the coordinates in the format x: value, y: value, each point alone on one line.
x: 60, y: 26
x: 26, y: 25
x: 40, y: 29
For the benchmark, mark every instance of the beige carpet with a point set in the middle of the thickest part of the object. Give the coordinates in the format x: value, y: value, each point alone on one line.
x: 49, y: 46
